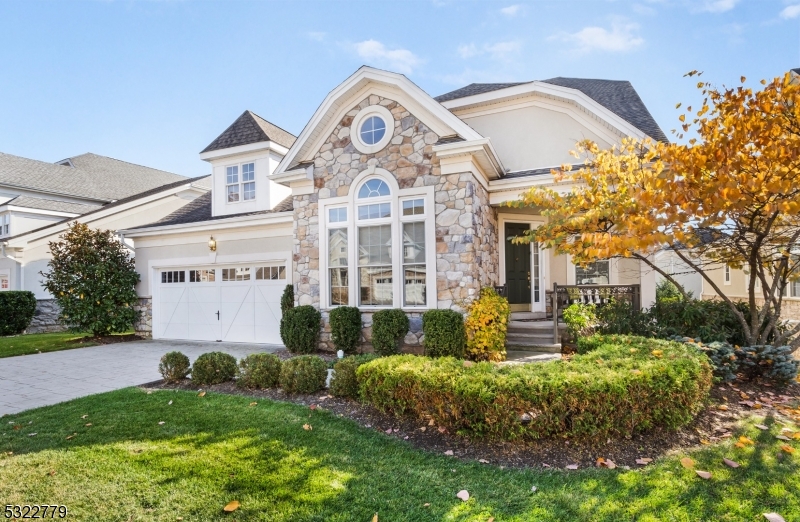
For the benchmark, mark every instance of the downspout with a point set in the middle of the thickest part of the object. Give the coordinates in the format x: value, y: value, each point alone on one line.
x: 121, y: 238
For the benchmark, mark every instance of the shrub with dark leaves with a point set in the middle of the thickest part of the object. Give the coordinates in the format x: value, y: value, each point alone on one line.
x: 303, y: 374
x: 259, y: 370
x: 174, y: 366
x: 214, y: 368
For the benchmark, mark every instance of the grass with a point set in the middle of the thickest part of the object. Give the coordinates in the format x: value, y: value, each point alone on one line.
x: 218, y: 448
x: 41, y: 343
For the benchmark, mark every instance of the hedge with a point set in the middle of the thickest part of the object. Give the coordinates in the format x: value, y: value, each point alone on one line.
x: 345, y: 328
x: 16, y: 311
x: 300, y: 328
x: 444, y: 333
x: 388, y: 328
x: 344, y: 382
x: 303, y: 374
x: 623, y: 386
x: 214, y: 368
x: 259, y: 370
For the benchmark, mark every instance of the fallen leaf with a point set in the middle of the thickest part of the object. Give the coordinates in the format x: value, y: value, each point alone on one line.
x: 389, y: 431
x: 313, y: 407
x: 423, y: 428
x: 687, y: 463
x: 796, y: 435
x: 644, y: 462
x: 722, y: 407
x: 467, y: 364
x: 169, y: 403
x: 739, y: 445
x: 70, y: 436
x: 744, y: 395
x: 449, y: 453
x: 161, y: 423
x: 52, y: 472
x: 442, y: 429
x: 730, y: 462
x: 705, y: 442
x: 703, y: 474
x: 745, y: 440
x: 84, y: 416
x: 534, y: 489
x: 483, y: 461
x: 610, y: 464
x: 782, y: 437
x: 546, y: 465
x: 657, y: 353
x: 31, y: 434
x: 253, y: 403
x: 761, y: 427
x: 426, y: 504
x: 787, y: 449
x: 88, y: 424
x: 572, y: 466
x: 201, y: 394
x: 375, y: 517
x: 307, y: 427
x: 463, y: 495
x: 773, y: 517
x: 491, y: 519
x: 231, y: 506
x: 431, y: 423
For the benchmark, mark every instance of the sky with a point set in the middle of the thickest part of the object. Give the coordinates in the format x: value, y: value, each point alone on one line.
x: 153, y: 82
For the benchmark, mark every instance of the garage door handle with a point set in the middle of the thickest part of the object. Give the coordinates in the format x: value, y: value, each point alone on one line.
x: 217, y: 315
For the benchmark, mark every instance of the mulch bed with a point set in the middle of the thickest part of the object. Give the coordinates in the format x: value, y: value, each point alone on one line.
x: 729, y: 403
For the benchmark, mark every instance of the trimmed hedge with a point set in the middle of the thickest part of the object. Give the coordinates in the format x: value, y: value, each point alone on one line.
x: 625, y: 385
x: 303, y: 374
x: 259, y: 370
x: 388, y: 327
x: 174, y: 366
x: 214, y: 368
x: 16, y: 311
x: 346, y: 328
x: 344, y: 382
x: 444, y: 333
x: 300, y: 328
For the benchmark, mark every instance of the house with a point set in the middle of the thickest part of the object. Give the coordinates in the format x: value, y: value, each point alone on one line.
x: 387, y: 198
x: 38, y: 200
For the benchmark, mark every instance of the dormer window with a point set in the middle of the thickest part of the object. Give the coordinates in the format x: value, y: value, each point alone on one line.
x: 240, y: 187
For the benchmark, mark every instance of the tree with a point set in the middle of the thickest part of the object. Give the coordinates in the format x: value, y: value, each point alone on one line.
x: 93, y: 279
x: 730, y: 196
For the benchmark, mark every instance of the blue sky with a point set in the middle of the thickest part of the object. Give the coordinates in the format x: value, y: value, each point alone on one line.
x: 153, y: 82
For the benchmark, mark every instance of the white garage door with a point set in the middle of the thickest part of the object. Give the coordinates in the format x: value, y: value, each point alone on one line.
x: 237, y: 304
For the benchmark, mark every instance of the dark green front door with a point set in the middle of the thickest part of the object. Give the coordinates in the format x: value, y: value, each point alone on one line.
x: 518, y: 265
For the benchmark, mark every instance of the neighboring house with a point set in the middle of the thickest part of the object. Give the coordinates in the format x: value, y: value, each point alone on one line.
x: 387, y: 198
x: 38, y: 200
x: 668, y: 261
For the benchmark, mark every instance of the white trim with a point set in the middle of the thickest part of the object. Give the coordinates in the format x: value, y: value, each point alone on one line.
x: 216, y: 224
x: 544, y: 273
x: 240, y: 149
x: 240, y: 183
x: 355, y: 128
x: 726, y: 275
x: 29, y: 210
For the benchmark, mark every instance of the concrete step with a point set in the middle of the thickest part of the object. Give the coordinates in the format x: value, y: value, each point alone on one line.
x: 534, y: 348
x: 528, y: 339
x: 526, y: 356
x: 533, y: 326
x: 522, y: 316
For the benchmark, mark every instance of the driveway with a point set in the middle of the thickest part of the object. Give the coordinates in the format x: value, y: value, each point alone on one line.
x: 30, y: 381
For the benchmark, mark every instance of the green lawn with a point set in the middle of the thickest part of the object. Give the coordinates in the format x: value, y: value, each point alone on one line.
x: 215, y: 449
x: 40, y: 343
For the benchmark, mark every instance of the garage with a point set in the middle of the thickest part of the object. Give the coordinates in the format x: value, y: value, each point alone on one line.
x: 232, y: 303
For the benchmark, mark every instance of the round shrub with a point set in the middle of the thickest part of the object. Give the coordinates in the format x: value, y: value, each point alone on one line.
x: 346, y: 328
x: 174, y: 366
x: 388, y: 327
x: 259, y: 370
x: 486, y: 325
x: 300, y: 327
x: 213, y: 368
x: 344, y: 382
x: 444, y: 333
x: 17, y: 308
x: 303, y: 374
x: 625, y: 385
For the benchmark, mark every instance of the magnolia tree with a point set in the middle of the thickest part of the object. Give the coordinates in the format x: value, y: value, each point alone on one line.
x: 730, y: 196
x: 93, y: 278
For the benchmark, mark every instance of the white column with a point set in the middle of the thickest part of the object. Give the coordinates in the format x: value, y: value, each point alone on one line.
x: 647, y: 280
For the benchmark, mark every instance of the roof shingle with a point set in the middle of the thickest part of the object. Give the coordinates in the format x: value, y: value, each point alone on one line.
x: 250, y: 128
x: 51, y: 204
x: 199, y: 210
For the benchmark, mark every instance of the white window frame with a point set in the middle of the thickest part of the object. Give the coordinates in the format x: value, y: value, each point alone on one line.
x: 5, y: 224
x: 726, y: 277
x: 366, y: 113
x: 240, y: 182
x: 352, y: 202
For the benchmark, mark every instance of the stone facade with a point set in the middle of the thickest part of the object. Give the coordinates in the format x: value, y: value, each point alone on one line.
x: 144, y: 325
x: 45, y: 318
x: 466, y: 226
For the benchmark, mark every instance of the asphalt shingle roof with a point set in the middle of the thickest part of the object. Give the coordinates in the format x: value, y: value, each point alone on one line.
x: 250, y: 128
x: 617, y: 96
x: 92, y: 177
x: 51, y: 204
x: 199, y: 210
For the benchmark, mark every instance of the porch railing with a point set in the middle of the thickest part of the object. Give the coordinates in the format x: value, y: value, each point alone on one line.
x: 599, y: 295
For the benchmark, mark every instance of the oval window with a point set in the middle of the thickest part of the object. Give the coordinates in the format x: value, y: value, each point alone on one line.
x: 372, y: 130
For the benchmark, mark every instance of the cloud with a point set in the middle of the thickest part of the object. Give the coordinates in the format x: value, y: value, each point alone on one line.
x: 468, y: 51
x: 718, y: 6
x: 511, y: 10
x: 316, y: 35
x: 622, y: 37
x: 498, y: 50
x: 399, y: 60
x: 790, y: 11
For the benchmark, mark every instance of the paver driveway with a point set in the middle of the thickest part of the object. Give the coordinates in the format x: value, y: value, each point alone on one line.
x: 30, y: 381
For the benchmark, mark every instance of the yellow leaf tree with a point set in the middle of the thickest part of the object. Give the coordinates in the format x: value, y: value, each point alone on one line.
x: 730, y: 196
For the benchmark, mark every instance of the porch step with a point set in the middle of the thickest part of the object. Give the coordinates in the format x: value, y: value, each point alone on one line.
x: 543, y: 347
x: 532, y: 336
x: 527, y: 316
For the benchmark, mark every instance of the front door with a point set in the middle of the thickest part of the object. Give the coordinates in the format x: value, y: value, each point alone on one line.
x: 518, y: 267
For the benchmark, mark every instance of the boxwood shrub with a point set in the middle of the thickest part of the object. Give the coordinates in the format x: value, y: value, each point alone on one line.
x: 174, y: 366
x: 259, y: 370
x: 625, y: 385
x: 303, y: 374
x: 16, y: 311
x: 346, y: 328
x: 214, y: 368
x: 388, y: 327
x: 344, y: 382
x: 300, y: 327
x: 444, y: 333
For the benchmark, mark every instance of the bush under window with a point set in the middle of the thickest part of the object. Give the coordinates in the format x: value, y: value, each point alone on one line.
x: 300, y: 328
x: 444, y: 333
x: 16, y: 311
x: 303, y: 374
x: 214, y: 368
x: 346, y: 328
x: 486, y: 326
x: 388, y: 328
x: 259, y: 370
x: 344, y: 382
x: 625, y: 385
x: 174, y: 366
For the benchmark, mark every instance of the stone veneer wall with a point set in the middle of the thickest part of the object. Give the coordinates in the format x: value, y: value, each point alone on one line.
x: 466, y: 226
x: 45, y: 318
x: 143, y: 327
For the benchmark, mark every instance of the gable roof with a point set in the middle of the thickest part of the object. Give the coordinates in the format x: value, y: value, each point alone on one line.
x: 617, y: 96
x: 92, y: 176
x: 250, y: 128
x: 51, y: 204
x: 199, y: 210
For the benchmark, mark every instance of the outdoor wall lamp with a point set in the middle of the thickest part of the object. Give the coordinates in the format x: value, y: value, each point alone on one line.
x: 212, y: 244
